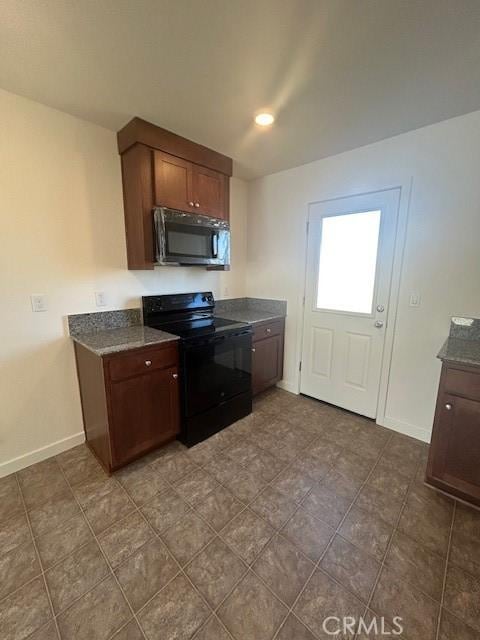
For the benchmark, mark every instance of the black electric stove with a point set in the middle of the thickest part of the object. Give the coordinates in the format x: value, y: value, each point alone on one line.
x: 215, y: 361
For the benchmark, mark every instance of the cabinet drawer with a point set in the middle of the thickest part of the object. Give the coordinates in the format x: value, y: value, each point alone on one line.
x: 267, y: 330
x: 133, y: 364
x: 462, y: 383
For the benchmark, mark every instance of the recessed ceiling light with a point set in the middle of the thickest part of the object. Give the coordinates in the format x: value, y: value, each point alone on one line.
x: 264, y: 119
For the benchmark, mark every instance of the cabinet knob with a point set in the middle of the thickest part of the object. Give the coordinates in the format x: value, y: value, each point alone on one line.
x: 253, y: 349
x: 268, y: 331
x: 148, y: 363
x: 448, y: 406
x: 197, y: 204
x: 190, y: 204
x: 175, y: 375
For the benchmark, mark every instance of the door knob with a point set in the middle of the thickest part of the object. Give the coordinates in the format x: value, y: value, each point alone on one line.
x: 379, y: 324
x: 175, y: 375
x: 253, y: 349
x: 197, y: 204
x: 380, y: 308
x: 148, y: 363
x: 190, y: 204
x: 448, y: 406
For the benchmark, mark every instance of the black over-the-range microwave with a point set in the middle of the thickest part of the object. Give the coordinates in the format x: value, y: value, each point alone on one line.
x: 186, y: 239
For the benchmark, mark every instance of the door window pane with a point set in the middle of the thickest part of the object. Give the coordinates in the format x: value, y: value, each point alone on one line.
x: 348, y: 258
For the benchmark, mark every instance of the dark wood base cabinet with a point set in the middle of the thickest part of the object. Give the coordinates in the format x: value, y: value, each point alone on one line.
x: 267, y: 356
x: 130, y: 401
x: 454, y: 458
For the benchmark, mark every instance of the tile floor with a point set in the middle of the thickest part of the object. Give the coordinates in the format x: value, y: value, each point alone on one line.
x: 296, y: 513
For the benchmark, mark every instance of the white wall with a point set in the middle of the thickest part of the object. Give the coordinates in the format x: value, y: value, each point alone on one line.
x: 62, y: 234
x: 442, y: 254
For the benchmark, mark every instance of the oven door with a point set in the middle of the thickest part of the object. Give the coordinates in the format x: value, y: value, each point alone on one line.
x: 215, y: 370
x: 187, y: 239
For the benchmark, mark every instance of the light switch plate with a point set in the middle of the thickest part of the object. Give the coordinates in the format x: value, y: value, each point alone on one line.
x: 414, y: 300
x: 39, y: 302
x: 101, y: 298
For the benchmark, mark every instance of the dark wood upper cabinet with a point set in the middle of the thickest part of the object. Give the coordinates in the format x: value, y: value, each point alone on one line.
x: 210, y: 191
x: 173, y: 182
x: 160, y: 168
x: 454, y: 456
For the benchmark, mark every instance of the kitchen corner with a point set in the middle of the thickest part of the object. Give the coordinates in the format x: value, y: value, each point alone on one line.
x: 188, y: 381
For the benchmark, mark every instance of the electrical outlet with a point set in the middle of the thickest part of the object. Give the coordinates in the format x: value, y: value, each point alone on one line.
x: 39, y: 302
x: 414, y: 300
x: 101, y: 298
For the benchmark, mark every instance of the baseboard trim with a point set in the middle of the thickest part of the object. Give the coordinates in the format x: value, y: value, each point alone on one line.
x: 25, y: 460
x: 396, y: 425
x: 287, y: 386
x: 405, y: 428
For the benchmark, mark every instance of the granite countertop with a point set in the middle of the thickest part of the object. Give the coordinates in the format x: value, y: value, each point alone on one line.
x: 463, y: 342
x: 251, y: 316
x: 122, y: 339
x: 251, y: 310
x: 105, y: 332
x: 461, y: 350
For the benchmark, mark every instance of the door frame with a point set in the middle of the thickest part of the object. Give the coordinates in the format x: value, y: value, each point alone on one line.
x: 403, y: 203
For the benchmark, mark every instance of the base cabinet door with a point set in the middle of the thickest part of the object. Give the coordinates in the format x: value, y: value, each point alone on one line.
x: 454, y: 461
x: 454, y: 456
x: 267, y: 361
x: 144, y: 413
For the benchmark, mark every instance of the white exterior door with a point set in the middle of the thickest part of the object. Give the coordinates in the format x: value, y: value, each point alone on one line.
x: 350, y: 252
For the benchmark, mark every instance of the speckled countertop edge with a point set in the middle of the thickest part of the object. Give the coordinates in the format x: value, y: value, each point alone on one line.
x: 248, y: 316
x: 461, y: 351
x: 123, y: 339
x: 251, y: 310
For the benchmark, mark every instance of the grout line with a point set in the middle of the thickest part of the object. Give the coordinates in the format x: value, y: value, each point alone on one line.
x: 286, y: 466
x: 325, y: 551
x: 218, y: 452
x: 218, y: 534
x: 447, y: 559
x: 112, y: 573
x: 411, y: 484
x: 39, y: 559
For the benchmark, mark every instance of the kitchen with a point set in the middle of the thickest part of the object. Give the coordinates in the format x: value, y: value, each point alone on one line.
x: 258, y: 493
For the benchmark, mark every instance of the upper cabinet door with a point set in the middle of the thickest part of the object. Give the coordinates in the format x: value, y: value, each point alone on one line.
x: 210, y: 190
x: 173, y: 182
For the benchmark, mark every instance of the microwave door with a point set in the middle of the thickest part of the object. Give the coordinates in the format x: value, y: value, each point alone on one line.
x: 185, y: 239
x: 188, y: 244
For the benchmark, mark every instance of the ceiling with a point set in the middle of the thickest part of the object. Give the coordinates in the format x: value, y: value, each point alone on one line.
x: 337, y: 73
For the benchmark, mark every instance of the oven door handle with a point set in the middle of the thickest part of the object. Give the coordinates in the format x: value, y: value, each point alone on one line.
x: 215, y: 245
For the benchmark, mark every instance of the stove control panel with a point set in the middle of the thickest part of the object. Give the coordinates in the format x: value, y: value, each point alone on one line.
x: 177, y: 302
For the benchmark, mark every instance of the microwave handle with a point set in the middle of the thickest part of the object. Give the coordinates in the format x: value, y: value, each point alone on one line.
x: 215, y: 245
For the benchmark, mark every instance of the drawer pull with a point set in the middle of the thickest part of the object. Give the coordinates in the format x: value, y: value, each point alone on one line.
x: 175, y: 375
x: 148, y: 363
x: 448, y: 406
